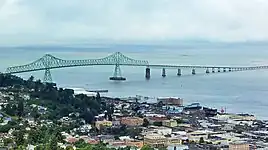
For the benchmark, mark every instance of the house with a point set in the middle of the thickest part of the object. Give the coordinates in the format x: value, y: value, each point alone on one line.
x: 116, y: 122
x: 71, y: 140
x: 170, y: 123
x: 106, y: 138
x: 103, y: 123
x: 132, y: 121
x: 85, y: 128
x: 92, y: 141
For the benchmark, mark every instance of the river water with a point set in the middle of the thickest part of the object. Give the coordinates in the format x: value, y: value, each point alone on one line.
x: 239, y: 92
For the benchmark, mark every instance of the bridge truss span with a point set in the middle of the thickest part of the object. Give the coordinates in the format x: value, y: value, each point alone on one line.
x: 48, y: 62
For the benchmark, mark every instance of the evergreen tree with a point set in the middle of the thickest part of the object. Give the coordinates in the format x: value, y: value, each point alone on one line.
x: 20, y: 108
x: 53, y: 144
x: 98, y: 98
x: 19, y: 137
x: 145, y: 122
x: 201, y: 140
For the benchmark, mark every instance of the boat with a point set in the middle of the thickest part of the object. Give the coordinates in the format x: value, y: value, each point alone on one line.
x: 98, y: 91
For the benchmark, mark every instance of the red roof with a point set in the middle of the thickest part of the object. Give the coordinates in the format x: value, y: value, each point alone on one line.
x: 72, y: 140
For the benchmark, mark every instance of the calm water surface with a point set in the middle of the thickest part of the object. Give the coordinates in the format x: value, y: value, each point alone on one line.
x: 239, y: 92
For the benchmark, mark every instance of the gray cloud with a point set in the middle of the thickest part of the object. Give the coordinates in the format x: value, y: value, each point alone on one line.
x: 41, y: 21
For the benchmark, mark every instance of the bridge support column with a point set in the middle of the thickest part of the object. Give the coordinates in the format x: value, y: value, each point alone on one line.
x: 224, y: 69
x: 213, y: 70
x: 207, y: 71
x: 230, y: 69
x: 179, y: 72
x: 47, y: 77
x: 147, y: 73
x: 117, y: 74
x: 164, y: 72
x: 219, y: 69
x: 193, y: 72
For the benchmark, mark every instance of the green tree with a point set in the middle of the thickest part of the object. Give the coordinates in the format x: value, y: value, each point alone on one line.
x: 201, y: 140
x: 19, y: 137
x: 7, y: 141
x: 21, y: 147
x: 87, y: 147
x: 69, y: 148
x: 9, y: 110
x: 157, y: 123
x: 5, y: 128
x: 98, y: 97
x: 20, y: 108
x: 133, y: 132
x: 53, y: 144
x: 147, y: 147
x: 145, y: 122
x: 88, y: 116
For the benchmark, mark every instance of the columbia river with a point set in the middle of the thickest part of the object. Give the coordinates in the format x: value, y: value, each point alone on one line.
x: 239, y: 92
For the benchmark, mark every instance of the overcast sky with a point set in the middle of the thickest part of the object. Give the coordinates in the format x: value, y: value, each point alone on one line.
x: 44, y: 21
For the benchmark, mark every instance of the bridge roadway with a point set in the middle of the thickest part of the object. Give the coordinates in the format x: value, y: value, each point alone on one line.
x: 205, y: 67
x: 48, y: 62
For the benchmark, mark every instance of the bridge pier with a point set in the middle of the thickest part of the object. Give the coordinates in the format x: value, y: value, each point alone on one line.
x: 219, y: 69
x: 207, y: 71
x: 193, y: 72
x: 164, y: 72
x: 117, y: 74
x: 224, y: 69
x: 179, y: 72
x: 213, y: 70
x: 48, y: 76
x: 230, y: 69
x: 147, y: 73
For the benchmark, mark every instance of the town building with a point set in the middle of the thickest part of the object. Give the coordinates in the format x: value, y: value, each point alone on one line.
x: 170, y: 101
x: 116, y: 122
x: 172, y: 109
x: 132, y: 121
x: 196, y: 135
x: 137, y: 144
x: 163, y: 130
x: 153, y: 119
x: 174, y: 140
x: 170, y: 123
x: 239, y: 146
x: 155, y: 140
x: 103, y: 123
x: 157, y: 130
